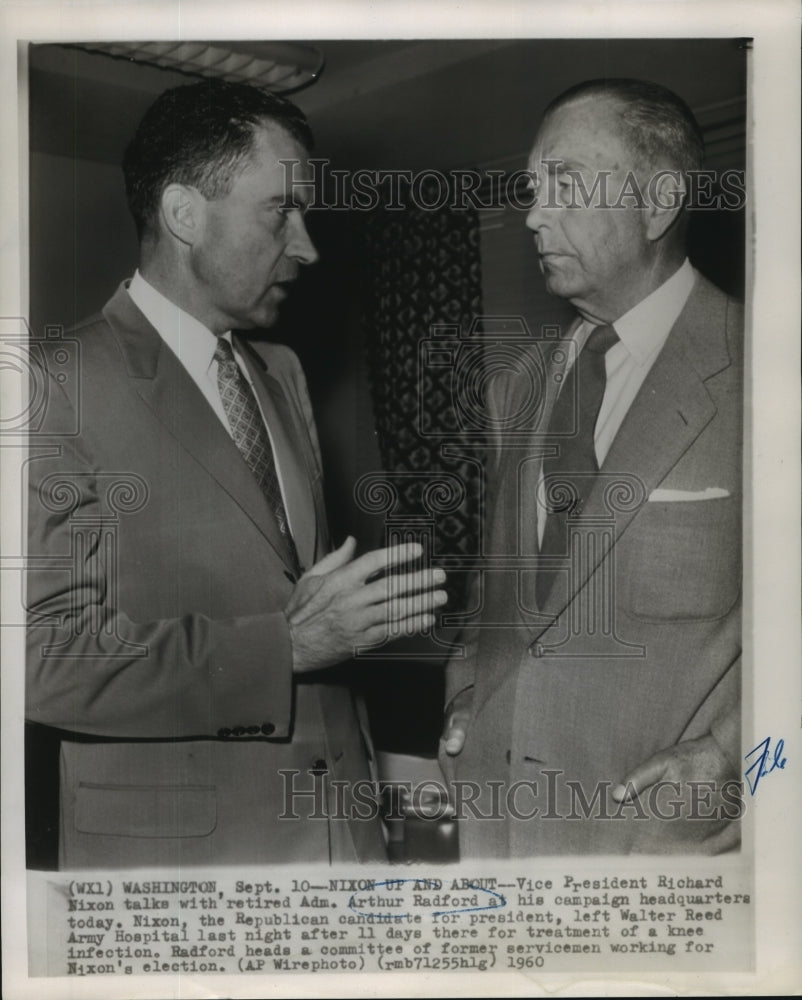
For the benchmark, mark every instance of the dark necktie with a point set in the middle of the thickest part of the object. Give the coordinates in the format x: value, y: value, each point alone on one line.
x: 250, y: 436
x: 569, y: 475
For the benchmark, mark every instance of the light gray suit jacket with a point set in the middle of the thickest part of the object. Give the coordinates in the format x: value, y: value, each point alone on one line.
x: 638, y: 646
x: 157, y: 640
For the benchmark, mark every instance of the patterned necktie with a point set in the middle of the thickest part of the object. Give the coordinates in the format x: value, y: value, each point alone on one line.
x: 569, y: 475
x: 251, y: 437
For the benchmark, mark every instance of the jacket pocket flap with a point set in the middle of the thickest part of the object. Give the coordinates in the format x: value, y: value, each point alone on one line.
x: 146, y: 810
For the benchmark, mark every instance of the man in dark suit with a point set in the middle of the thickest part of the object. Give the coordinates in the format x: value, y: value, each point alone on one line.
x: 603, y: 693
x: 185, y: 605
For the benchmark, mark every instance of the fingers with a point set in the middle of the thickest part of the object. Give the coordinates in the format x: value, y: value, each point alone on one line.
x: 347, y: 573
x: 379, y: 633
x: 642, y: 777
x: 401, y: 611
x: 391, y: 600
x: 343, y: 582
x: 377, y: 561
x: 455, y: 740
x: 455, y: 733
x: 457, y: 720
x: 334, y: 610
x: 397, y: 585
x: 334, y: 560
x: 691, y: 760
x: 398, y: 597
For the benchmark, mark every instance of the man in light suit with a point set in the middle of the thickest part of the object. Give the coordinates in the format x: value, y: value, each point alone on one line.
x: 185, y: 606
x: 600, y: 704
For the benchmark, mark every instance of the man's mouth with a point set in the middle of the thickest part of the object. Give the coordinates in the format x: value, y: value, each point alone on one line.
x: 552, y: 258
x: 282, y: 288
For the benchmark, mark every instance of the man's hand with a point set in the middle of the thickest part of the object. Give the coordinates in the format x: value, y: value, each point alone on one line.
x: 456, y: 726
x: 699, y: 813
x: 337, y: 605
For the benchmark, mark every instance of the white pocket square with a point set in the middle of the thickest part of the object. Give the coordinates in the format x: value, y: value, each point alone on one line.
x: 668, y: 496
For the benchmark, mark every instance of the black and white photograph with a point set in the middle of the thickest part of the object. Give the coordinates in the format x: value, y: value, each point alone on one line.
x: 401, y: 528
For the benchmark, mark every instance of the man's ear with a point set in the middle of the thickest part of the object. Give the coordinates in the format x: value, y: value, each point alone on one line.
x: 183, y: 212
x: 667, y: 194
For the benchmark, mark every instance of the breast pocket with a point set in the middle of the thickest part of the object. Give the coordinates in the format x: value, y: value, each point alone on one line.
x: 681, y: 560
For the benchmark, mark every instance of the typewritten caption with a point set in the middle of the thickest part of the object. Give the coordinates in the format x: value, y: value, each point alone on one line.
x: 147, y: 923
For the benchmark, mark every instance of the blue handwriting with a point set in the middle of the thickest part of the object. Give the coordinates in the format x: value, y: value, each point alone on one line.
x: 766, y: 761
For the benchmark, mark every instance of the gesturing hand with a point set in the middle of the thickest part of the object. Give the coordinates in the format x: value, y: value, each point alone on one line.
x: 337, y: 606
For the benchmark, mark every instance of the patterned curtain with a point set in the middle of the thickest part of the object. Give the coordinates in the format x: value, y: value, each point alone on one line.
x: 423, y: 297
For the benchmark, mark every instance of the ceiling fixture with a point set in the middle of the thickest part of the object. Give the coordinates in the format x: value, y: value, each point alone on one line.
x: 281, y: 67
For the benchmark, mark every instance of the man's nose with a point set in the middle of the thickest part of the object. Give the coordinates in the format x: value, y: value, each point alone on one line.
x: 536, y: 216
x: 300, y: 246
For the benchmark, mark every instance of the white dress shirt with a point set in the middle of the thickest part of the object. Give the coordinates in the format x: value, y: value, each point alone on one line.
x: 642, y: 332
x: 194, y: 346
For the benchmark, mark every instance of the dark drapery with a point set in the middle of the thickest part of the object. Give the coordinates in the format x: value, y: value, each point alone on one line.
x: 423, y: 295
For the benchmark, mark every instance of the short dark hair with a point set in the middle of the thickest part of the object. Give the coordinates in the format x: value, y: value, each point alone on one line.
x: 657, y: 125
x: 201, y: 135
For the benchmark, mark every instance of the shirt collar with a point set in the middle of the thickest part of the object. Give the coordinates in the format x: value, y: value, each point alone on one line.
x: 644, y: 329
x: 191, y: 342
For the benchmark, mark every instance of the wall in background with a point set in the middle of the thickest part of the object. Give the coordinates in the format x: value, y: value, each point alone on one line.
x: 83, y: 242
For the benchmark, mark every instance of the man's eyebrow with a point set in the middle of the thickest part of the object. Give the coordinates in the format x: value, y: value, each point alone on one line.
x: 295, y: 198
x: 561, y: 166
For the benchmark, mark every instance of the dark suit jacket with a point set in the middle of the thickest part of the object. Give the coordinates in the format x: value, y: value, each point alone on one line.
x: 638, y: 645
x: 156, y: 586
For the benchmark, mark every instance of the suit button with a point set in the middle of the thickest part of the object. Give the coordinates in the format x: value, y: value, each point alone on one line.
x: 536, y: 650
x: 239, y: 730
x: 253, y: 730
x: 268, y: 729
x: 319, y: 767
x: 224, y: 733
x: 508, y: 756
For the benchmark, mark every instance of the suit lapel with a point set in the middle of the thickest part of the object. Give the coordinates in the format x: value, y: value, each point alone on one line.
x: 165, y: 387
x: 671, y: 409
x: 513, y: 504
x: 516, y: 460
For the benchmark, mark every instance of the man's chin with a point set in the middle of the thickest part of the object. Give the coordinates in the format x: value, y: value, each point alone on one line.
x: 261, y: 319
x: 561, y: 285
